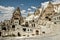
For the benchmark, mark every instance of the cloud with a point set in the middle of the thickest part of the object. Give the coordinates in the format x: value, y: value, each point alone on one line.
x: 23, y: 11
x: 56, y: 1
x: 29, y: 9
x: 31, y: 12
x: 44, y: 5
x: 6, y: 12
x: 33, y: 7
x: 22, y: 4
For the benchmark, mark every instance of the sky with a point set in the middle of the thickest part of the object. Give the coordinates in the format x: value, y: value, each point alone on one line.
x: 7, y: 7
x: 23, y: 4
x: 28, y: 5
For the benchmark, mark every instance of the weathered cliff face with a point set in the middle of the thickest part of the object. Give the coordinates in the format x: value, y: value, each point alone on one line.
x: 17, y: 15
x: 48, y: 12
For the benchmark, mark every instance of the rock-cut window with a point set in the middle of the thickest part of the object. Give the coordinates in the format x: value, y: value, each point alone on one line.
x: 24, y: 29
x: 19, y: 34
x: 4, y: 28
x: 0, y: 33
x: 13, y: 26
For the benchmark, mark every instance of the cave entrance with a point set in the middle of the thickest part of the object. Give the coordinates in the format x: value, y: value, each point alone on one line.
x: 19, y: 34
x: 37, y: 32
x: 13, y: 26
x: 0, y: 33
x: 4, y: 28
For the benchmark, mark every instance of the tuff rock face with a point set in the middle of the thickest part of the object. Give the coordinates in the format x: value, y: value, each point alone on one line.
x: 42, y: 22
x: 17, y: 15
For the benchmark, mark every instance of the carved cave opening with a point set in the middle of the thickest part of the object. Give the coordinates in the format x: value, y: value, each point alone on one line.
x: 13, y: 26
x: 0, y: 33
x: 4, y: 28
x: 19, y: 34
x: 37, y: 32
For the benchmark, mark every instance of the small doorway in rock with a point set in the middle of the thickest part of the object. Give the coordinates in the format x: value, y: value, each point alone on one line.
x: 26, y: 24
x: 46, y: 17
x: 0, y: 33
x: 4, y: 28
x: 37, y: 32
x: 13, y: 26
x: 19, y: 34
x: 49, y: 19
x: 43, y: 32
